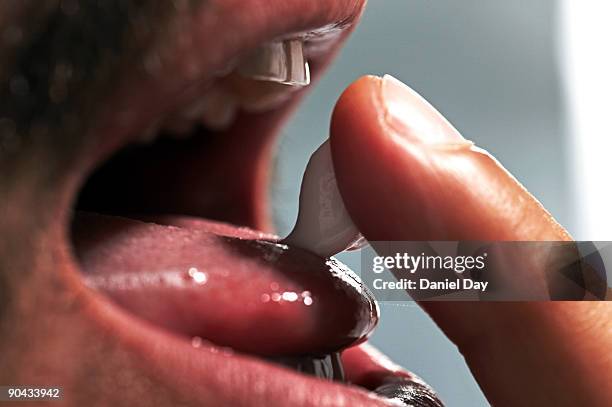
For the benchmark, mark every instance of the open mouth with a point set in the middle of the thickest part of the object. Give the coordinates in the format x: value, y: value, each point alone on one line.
x: 139, y: 265
x: 171, y: 228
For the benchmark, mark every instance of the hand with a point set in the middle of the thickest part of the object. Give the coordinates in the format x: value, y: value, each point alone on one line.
x: 406, y: 174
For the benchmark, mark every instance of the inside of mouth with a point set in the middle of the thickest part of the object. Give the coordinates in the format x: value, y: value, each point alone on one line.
x: 203, y: 173
x: 145, y: 179
x: 209, y: 156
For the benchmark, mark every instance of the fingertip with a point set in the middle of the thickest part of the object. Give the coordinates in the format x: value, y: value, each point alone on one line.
x: 365, y: 157
x: 395, y: 154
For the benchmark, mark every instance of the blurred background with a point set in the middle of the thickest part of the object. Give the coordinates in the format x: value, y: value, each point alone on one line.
x: 528, y: 81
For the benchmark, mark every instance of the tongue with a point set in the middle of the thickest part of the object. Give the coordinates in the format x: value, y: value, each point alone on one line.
x: 225, y: 284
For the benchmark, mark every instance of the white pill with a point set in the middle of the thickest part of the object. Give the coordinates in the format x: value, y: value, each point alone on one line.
x: 323, y: 225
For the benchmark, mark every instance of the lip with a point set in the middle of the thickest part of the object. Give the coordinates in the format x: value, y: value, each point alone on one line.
x: 229, y: 378
x: 140, y: 98
x: 227, y: 31
x: 208, y: 374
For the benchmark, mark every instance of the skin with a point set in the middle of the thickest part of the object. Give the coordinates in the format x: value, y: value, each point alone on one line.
x: 69, y: 70
x: 531, y: 353
x: 58, y: 331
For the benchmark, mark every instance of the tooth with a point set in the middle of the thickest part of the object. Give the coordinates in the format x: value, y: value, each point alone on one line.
x: 281, y: 62
x: 323, y: 226
x: 256, y: 96
x: 218, y: 109
x: 181, y: 123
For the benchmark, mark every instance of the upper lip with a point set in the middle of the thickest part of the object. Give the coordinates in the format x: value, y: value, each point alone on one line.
x: 220, y: 30
x: 214, y: 35
x: 201, y: 44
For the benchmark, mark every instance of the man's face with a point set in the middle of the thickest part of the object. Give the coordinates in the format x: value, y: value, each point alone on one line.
x: 101, y: 111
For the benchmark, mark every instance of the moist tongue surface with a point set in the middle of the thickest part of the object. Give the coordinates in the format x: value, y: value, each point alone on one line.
x: 218, y: 282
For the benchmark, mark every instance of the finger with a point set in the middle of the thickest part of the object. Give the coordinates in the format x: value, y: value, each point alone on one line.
x: 367, y: 367
x: 406, y: 174
x: 404, y: 153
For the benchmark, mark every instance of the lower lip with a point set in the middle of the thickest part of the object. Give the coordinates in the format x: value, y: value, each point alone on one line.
x: 327, y: 367
x: 230, y: 378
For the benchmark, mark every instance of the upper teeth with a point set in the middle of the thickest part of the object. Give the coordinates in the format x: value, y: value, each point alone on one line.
x: 218, y: 108
x: 261, y: 82
x: 282, y: 62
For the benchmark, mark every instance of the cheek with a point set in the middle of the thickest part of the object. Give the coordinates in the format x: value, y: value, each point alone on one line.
x: 61, y: 347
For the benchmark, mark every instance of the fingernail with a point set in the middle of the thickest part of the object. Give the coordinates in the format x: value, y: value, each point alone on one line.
x: 411, y: 116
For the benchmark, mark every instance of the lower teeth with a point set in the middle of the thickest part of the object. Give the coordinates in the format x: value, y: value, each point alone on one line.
x: 327, y: 367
